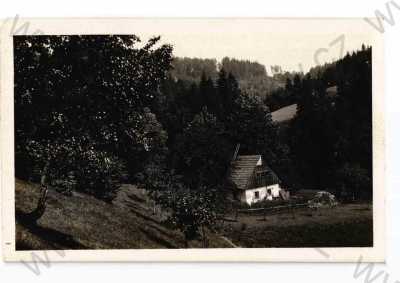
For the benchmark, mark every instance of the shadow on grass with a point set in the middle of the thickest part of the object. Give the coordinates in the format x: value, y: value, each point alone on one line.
x: 59, y: 240
x: 338, y: 235
x: 151, y: 235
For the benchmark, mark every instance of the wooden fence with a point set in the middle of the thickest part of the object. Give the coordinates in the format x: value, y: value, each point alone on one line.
x: 271, y: 210
x: 265, y: 210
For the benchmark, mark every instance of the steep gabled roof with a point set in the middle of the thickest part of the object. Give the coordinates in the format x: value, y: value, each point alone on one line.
x: 242, y: 169
x: 243, y: 172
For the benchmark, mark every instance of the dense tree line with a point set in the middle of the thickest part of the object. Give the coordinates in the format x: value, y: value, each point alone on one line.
x: 284, y: 96
x: 190, y: 69
x: 331, y: 136
x: 243, y: 68
x: 328, y: 145
x: 252, y: 76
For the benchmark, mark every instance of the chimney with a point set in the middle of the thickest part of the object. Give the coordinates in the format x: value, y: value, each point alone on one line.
x: 236, y: 152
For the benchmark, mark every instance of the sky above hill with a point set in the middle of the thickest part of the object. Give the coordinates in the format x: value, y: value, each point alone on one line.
x: 295, y: 45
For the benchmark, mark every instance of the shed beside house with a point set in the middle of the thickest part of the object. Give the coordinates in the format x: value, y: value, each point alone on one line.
x: 253, y: 180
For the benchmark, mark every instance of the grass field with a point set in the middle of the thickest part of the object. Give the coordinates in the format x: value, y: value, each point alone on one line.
x: 83, y: 222
x: 284, y: 114
x: 348, y: 225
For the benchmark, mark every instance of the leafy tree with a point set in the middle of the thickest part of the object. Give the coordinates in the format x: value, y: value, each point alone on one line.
x: 203, y: 151
x: 80, y: 107
x: 191, y: 211
x: 250, y: 124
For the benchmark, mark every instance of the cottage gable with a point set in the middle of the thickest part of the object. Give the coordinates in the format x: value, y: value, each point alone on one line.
x: 249, y: 171
x: 253, y: 180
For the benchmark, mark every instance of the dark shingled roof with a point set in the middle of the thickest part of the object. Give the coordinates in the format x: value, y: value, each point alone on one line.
x: 242, y: 172
x: 242, y: 169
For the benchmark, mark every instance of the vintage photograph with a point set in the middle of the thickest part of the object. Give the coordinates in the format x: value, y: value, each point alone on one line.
x: 211, y: 135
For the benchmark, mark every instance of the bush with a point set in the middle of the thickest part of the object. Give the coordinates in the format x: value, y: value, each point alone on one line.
x: 67, y: 167
x: 322, y: 199
x: 100, y: 174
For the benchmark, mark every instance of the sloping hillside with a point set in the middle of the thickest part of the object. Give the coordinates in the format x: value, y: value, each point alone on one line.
x: 284, y: 114
x: 83, y: 222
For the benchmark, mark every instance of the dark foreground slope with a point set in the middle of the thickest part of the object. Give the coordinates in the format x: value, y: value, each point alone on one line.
x: 347, y: 225
x: 130, y: 222
x: 83, y: 222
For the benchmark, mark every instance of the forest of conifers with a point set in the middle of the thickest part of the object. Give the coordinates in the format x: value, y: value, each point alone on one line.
x: 92, y: 112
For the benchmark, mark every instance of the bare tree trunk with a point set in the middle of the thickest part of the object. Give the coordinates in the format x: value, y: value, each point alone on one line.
x: 38, y: 212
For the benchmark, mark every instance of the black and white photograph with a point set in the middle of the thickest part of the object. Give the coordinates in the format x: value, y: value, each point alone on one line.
x: 196, y: 134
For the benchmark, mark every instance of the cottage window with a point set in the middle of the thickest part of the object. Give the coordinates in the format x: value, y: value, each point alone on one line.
x: 256, y: 195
